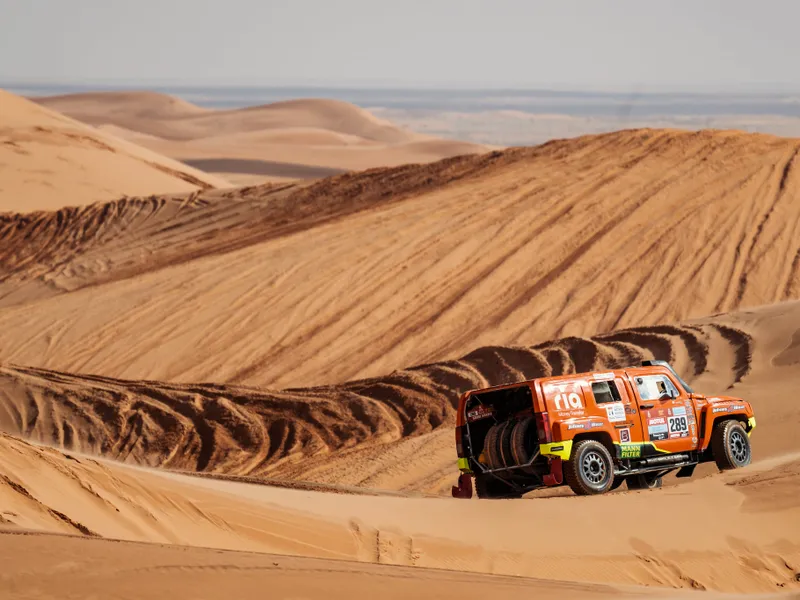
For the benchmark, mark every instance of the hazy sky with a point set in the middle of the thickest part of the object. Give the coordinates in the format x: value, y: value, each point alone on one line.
x: 632, y: 44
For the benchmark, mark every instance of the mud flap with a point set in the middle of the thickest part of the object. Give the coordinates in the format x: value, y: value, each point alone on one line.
x: 556, y: 475
x: 464, y: 487
x: 686, y: 471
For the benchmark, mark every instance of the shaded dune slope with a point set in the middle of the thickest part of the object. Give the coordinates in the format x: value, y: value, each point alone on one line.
x: 247, y: 431
x: 50, y: 252
x: 364, y: 273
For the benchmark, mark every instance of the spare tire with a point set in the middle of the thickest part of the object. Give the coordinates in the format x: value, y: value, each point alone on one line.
x: 491, y: 447
x: 524, y: 441
x: 504, y: 439
x: 498, y: 445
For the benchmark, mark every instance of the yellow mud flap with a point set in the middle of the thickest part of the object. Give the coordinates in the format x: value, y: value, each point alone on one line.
x: 463, y: 465
x: 562, y: 450
x: 751, y: 424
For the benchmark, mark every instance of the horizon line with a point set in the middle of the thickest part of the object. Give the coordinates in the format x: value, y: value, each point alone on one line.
x: 643, y: 90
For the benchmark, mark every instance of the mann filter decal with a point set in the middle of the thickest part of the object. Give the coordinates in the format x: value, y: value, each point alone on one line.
x: 630, y: 451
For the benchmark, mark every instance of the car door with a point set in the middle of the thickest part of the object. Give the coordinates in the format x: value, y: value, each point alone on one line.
x: 667, y: 414
x: 612, y: 397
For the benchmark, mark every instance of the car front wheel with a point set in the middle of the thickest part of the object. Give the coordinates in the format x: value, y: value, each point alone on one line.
x: 730, y: 445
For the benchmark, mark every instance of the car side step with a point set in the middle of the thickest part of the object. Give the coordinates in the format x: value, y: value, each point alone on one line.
x: 665, y: 467
x: 664, y: 460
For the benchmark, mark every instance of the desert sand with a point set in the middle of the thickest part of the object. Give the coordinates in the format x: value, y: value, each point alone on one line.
x: 254, y: 388
x: 360, y: 274
x: 284, y: 141
x: 48, y: 161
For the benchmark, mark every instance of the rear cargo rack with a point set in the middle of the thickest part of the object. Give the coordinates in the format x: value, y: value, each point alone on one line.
x: 503, y: 469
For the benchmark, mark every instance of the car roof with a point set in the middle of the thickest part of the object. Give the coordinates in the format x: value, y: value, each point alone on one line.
x: 584, y: 375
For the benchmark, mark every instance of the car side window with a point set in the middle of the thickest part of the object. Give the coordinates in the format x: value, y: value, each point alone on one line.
x: 655, y: 387
x: 605, y: 391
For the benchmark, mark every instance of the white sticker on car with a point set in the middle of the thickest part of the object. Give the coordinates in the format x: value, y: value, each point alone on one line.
x: 615, y: 412
x: 678, y: 426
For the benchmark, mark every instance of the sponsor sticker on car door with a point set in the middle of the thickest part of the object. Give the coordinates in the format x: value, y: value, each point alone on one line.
x: 658, y: 429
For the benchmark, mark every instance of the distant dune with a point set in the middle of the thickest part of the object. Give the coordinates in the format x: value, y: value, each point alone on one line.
x: 364, y: 273
x: 50, y: 161
x: 270, y: 142
x: 174, y: 119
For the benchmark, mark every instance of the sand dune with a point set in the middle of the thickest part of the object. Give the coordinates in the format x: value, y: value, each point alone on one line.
x: 174, y: 119
x: 135, y: 571
x: 364, y: 273
x: 49, y: 161
x: 267, y: 142
x: 367, y: 433
x: 45, y: 490
x: 484, y: 269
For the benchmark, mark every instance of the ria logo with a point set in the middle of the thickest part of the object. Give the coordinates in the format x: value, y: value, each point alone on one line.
x: 565, y: 402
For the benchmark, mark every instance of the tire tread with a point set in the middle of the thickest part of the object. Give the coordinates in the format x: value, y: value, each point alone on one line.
x: 720, y: 448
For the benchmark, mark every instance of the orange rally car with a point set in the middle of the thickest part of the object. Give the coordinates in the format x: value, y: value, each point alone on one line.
x: 595, y: 431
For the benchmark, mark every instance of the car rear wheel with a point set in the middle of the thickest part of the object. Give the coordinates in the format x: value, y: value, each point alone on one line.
x: 730, y: 445
x: 618, y: 481
x: 590, y: 469
x: 644, y: 482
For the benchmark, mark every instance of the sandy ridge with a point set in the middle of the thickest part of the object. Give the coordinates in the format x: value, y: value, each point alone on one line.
x: 94, y: 499
x: 416, y: 264
x: 335, y: 434
x: 78, y: 246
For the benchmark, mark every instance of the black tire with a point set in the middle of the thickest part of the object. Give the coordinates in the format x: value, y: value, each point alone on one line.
x: 504, y: 444
x: 490, y: 447
x: 492, y: 488
x: 590, y: 469
x: 524, y: 442
x: 644, y: 482
x: 730, y: 446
